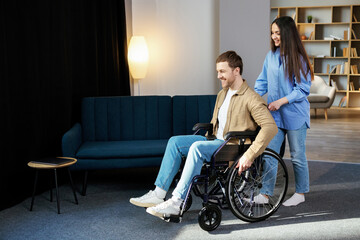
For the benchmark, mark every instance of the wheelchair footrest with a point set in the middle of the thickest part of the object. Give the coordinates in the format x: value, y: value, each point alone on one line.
x: 173, y: 218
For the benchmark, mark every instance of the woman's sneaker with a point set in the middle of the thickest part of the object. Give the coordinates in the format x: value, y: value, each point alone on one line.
x: 148, y: 200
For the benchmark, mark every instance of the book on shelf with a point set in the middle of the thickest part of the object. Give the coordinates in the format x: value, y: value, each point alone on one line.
x: 346, y: 35
x: 311, y: 36
x: 338, y: 67
x: 345, y: 52
x: 336, y: 37
x: 346, y: 68
x: 334, y: 52
x: 352, y: 87
x: 354, y: 69
x: 341, y: 69
x: 355, y: 19
x: 329, y: 38
x: 342, y: 102
x: 353, y: 33
x: 353, y: 52
x: 333, y: 83
x: 333, y: 69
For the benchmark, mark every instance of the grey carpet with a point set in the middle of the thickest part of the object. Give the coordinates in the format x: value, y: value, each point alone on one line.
x: 331, y: 211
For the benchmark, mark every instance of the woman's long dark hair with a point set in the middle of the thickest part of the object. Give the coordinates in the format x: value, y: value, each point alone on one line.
x: 291, y: 49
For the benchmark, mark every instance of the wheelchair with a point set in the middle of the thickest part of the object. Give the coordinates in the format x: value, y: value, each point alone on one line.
x: 221, y: 187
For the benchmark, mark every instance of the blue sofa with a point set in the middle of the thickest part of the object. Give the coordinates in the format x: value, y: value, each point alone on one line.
x: 131, y: 131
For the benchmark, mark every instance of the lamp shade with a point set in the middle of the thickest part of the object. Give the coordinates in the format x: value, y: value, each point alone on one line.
x: 138, y: 57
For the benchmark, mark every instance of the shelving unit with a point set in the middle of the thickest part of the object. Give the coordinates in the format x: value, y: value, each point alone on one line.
x: 324, y: 52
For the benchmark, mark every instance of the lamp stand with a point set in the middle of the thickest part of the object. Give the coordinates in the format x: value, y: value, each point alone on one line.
x: 138, y: 87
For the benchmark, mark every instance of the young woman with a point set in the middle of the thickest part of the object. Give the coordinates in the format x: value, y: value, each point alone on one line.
x: 286, y: 77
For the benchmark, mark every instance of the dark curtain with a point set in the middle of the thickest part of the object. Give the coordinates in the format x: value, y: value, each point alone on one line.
x: 53, y: 53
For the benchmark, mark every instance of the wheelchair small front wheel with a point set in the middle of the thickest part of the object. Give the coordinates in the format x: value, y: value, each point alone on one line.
x: 209, y: 217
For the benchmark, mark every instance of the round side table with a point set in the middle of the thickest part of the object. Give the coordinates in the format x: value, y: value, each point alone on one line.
x: 52, y: 163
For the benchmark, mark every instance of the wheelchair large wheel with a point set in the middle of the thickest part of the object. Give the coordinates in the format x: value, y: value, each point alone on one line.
x: 268, y: 171
x: 209, y: 217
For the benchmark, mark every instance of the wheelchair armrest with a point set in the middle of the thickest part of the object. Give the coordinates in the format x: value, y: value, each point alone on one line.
x: 203, y: 126
x: 245, y: 134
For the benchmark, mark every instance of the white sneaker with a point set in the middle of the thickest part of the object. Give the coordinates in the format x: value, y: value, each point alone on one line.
x: 259, y: 199
x: 294, y: 200
x: 148, y: 200
x: 164, y: 209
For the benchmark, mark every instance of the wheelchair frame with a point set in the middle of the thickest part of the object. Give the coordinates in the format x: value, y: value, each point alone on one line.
x: 244, y: 207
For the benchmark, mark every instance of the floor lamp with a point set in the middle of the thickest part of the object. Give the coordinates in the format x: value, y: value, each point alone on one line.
x: 138, y: 58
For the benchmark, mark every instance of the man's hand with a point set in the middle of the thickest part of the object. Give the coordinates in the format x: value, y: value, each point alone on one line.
x: 243, y: 164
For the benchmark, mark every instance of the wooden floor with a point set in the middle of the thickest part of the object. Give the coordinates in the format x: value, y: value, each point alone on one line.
x: 336, y: 139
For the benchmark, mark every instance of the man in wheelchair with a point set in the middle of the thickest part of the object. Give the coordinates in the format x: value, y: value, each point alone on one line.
x: 237, y: 108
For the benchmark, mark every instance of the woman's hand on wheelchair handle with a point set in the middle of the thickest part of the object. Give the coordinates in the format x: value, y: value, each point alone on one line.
x: 243, y: 164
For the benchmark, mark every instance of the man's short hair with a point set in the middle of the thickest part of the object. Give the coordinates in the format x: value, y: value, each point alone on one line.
x: 232, y: 58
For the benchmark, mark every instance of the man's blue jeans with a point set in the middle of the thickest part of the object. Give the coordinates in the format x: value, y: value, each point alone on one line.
x: 197, y: 149
x: 296, y: 139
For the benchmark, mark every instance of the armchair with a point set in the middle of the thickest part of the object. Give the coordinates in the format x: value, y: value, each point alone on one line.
x: 321, y: 95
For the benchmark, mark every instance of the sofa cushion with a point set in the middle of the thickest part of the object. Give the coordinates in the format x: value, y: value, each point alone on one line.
x: 189, y: 110
x: 119, y: 149
x: 126, y: 118
x: 317, y: 98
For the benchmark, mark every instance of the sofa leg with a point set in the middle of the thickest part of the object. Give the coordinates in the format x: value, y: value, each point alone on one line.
x: 315, y: 111
x: 326, y: 116
x: 83, y: 192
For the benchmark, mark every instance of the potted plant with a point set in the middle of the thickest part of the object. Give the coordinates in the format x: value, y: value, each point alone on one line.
x: 309, y: 18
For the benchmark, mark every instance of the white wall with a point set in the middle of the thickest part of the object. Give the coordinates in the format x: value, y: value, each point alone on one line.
x: 185, y: 37
x: 245, y: 28
x: 302, y: 3
x: 183, y: 44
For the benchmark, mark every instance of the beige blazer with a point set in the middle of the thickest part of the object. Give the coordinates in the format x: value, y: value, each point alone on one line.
x: 247, y: 111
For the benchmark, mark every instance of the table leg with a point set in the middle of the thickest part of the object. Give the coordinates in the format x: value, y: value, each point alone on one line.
x: 72, y: 186
x: 33, y: 195
x: 84, y: 183
x: 57, y: 192
x: 51, y: 193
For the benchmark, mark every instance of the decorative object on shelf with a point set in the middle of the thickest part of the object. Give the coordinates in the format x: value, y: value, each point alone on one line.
x: 303, y: 37
x: 309, y: 19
